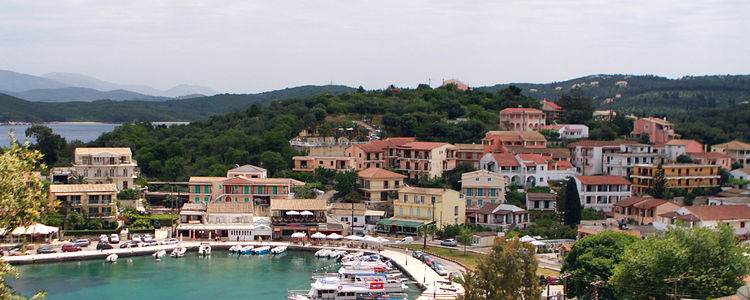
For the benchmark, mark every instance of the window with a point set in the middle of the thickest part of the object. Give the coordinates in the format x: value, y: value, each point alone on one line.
x: 419, y: 212
x: 260, y: 190
x: 468, y: 202
x: 93, y: 210
x: 401, y: 211
x: 480, y: 192
x: 480, y: 202
x: 469, y: 192
x: 411, y: 211
x: 275, y: 190
x: 455, y: 210
x: 742, y: 224
x: 476, y: 179
x: 197, y: 189
x: 429, y: 213
x: 492, y: 192
x: 355, y: 219
x: 206, y: 189
x: 247, y: 190
x: 247, y: 199
x: 205, y: 199
x: 406, y: 198
x: 421, y: 199
x: 197, y: 199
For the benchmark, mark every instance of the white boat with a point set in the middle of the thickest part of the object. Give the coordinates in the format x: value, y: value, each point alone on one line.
x: 350, y: 284
x: 111, y: 258
x: 159, y: 254
x: 178, y: 252
x: 235, y: 248
x: 246, y: 250
x: 204, y: 249
x: 278, y: 250
x: 336, y: 254
x: 322, y: 253
x: 261, y: 250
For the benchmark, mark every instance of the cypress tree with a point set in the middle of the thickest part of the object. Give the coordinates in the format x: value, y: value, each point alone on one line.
x: 572, y: 204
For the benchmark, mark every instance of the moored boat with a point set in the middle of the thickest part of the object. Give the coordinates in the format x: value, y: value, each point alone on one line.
x: 178, y: 252
x: 235, y: 248
x: 246, y: 250
x: 278, y: 250
x: 261, y: 250
x: 204, y: 249
x: 322, y: 253
x: 159, y: 254
x: 111, y: 258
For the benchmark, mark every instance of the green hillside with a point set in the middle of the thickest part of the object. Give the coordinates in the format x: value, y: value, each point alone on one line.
x: 648, y: 95
x: 14, y: 109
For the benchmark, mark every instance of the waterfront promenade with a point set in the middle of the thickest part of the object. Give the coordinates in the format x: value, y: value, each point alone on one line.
x: 434, y: 286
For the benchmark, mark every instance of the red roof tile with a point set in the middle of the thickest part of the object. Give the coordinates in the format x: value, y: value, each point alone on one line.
x: 379, y: 173
x: 520, y: 109
x: 651, y: 203
x: 506, y: 160
x: 720, y: 212
x: 629, y: 201
x: 602, y: 179
x: 401, y: 140
x: 538, y: 159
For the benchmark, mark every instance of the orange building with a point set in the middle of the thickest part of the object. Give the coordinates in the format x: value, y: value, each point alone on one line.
x: 679, y: 176
x: 497, y: 141
x: 520, y: 118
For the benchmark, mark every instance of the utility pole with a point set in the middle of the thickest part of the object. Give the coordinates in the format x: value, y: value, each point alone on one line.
x: 565, y: 281
x: 675, y: 280
x: 596, y: 285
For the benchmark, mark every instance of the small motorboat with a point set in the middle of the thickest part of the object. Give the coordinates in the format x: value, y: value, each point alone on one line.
x: 159, y: 254
x: 278, y: 250
x: 204, y: 249
x: 235, y: 248
x: 336, y: 254
x: 322, y: 253
x: 111, y: 258
x: 261, y: 250
x: 178, y: 252
x: 246, y: 250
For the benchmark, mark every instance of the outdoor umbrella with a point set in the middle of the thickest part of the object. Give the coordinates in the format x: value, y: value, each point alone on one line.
x: 298, y: 235
x: 292, y: 213
x: 353, y: 237
x: 334, y: 236
x: 307, y: 213
x: 527, y: 239
x: 318, y: 235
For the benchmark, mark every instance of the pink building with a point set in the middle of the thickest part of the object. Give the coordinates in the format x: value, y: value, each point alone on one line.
x: 552, y: 111
x: 525, y: 119
x: 712, y: 158
x: 691, y: 146
x: 310, y: 163
x: 660, y: 131
x: 370, y: 155
x: 460, y: 85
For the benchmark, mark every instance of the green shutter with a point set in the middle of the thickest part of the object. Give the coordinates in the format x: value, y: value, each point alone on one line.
x: 197, y: 199
x: 197, y: 189
x: 205, y: 199
x: 260, y: 190
x: 275, y: 190
x: 247, y: 190
x: 207, y: 189
x: 247, y: 200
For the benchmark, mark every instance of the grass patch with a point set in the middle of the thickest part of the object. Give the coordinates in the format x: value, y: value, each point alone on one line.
x: 546, y: 272
x: 165, y: 217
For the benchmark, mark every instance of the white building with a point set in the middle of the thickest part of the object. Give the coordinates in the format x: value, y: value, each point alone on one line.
x: 569, y: 131
x: 589, y: 156
x: 541, y: 201
x: 502, y: 216
x: 737, y: 216
x: 601, y: 192
x: 525, y: 170
x: 741, y: 175
x: 106, y: 165
x: 483, y: 187
x: 248, y: 171
x: 621, y: 163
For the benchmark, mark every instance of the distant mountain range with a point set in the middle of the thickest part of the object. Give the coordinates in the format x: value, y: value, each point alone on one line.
x: 65, y: 87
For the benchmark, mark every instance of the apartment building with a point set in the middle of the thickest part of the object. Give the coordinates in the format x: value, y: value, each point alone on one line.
x: 552, y: 111
x: 541, y: 201
x: 501, y: 217
x: 258, y: 191
x: 311, y: 163
x: 569, y: 131
x: 603, y: 191
x: 524, y: 119
x: 469, y: 153
x: 418, y: 206
x: 679, y: 176
x: 644, y: 211
x: 710, y: 216
x: 621, y: 163
x: 499, y: 141
x: 738, y: 151
x: 94, y: 201
x: 106, y: 165
x: 677, y: 147
x: 588, y: 157
x: 482, y: 187
x: 525, y: 170
x: 712, y: 158
x: 370, y: 155
x: 429, y: 159
x: 659, y: 131
x: 380, y: 186
x: 227, y: 221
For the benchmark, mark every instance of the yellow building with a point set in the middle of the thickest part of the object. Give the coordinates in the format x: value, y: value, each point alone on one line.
x: 679, y: 176
x: 418, y: 206
x: 379, y: 185
x: 93, y: 201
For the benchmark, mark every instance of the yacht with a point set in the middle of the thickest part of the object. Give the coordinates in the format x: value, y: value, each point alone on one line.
x: 111, y: 258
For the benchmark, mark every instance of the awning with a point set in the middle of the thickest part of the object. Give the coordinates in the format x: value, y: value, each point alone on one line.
x: 402, y: 223
x: 36, y: 229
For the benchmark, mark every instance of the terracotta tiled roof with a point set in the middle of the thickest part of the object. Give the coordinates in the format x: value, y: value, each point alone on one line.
x: 83, y: 188
x: 536, y: 158
x: 247, y: 168
x: 556, y: 153
x: 469, y: 147
x: 520, y: 109
x: 97, y: 150
x: 374, y: 146
x: 680, y: 142
x: 651, y: 203
x: 424, y: 145
x: 487, y: 209
x: 552, y: 127
x: 629, y: 201
x: 602, y: 179
x: 229, y: 207
x: 709, y: 155
x: 401, y: 140
x: 733, y: 145
x: 540, y: 196
x: 518, y: 134
x: 559, y: 165
x: 506, y: 160
x: 720, y: 212
x: 421, y: 190
x: 589, y: 143
x: 673, y: 214
x: 658, y: 121
x: 198, y: 179
x: 379, y: 173
x: 551, y: 104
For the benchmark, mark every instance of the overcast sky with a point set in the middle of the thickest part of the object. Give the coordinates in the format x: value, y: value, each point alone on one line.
x: 251, y: 46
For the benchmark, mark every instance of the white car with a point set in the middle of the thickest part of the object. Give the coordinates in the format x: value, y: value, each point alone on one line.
x: 441, y: 270
x: 151, y: 243
x: 147, y: 238
x: 103, y: 238
x: 136, y: 238
x: 171, y: 241
x: 114, y: 238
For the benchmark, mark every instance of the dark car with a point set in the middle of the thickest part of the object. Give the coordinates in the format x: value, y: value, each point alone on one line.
x: 553, y: 280
x: 82, y: 243
x: 71, y: 248
x: 156, y: 224
x: 44, y: 250
x: 543, y: 281
x: 131, y: 244
x: 417, y: 254
x: 103, y: 246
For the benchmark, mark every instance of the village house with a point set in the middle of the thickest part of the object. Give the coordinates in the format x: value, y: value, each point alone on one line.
x: 106, y: 165
x: 483, y: 239
x: 712, y: 158
x: 498, y: 141
x: 523, y: 119
x: 370, y: 155
x: 569, y: 131
x: 525, y: 170
x: 459, y: 85
x: 589, y: 156
x: 248, y: 171
x: 311, y: 163
x: 659, y: 131
x: 677, y: 147
x: 501, y: 217
x: 736, y: 216
x: 643, y: 211
x: 552, y: 111
x: 738, y: 151
x: 541, y: 201
x: 621, y: 163
x: 301, y: 215
x: 96, y: 201
x: 741, y: 175
x: 482, y: 187
x: 679, y: 176
x: 419, y: 206
x: 601, y: 192
x: 229, y: 221
x: 469, y: 153
x: 380, y: 186
x: 429, y: 159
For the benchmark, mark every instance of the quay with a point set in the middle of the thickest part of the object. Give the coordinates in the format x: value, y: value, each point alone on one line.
x: 433, y: 285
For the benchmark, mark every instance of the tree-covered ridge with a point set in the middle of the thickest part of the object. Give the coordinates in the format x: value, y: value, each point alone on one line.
x: 14, y: 109
x: 649, y: 95
x: 260, y: 134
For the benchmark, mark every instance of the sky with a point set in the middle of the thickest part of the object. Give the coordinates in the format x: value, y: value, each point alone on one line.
x: 254, y: 46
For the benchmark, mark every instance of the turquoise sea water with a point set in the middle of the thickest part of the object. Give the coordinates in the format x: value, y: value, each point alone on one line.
x: 221, y: 276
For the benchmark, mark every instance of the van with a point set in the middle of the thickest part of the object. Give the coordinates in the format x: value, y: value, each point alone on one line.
x: 406, y: 240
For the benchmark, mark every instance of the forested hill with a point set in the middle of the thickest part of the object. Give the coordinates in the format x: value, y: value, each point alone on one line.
x: 648, y: 95
x: 15, y: 109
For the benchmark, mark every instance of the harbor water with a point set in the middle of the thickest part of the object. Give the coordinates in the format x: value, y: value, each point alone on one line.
x: 220, y: 276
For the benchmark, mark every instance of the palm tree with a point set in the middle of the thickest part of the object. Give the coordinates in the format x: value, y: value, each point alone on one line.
x: 426, y: 230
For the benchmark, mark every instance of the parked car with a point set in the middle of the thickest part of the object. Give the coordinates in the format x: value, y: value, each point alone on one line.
x: 16, y: 252
x: 45, y: 249
x: 156, y: 224
x: 82, y: 243
x: 150, y: 243
x: 417, y: 254
x: 130, y: 244
x: 543, y: 281
x: 449, y: 242
x: 441, y: 270
x: 170, y: 241
x: 147, y: 238
x: 406, y: 240
x: 103, y: 238
x: 136, y: 238
x: 114, y: 238
x: 71, y: 248
x: 429, y: 260
x: 553, y: 280
x: 103, y: 246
